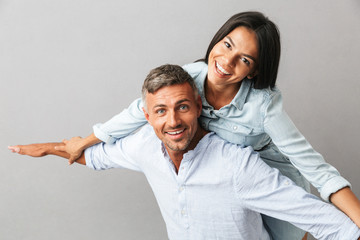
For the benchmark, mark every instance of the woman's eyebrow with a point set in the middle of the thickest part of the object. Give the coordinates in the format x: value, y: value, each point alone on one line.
x: 246, y: 55
x: 231, y: 41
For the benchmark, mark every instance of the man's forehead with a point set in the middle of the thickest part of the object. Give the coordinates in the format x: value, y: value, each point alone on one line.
x: 173, y: 94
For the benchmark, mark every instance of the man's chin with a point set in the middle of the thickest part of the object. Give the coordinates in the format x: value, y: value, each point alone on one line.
x: 177, y: 146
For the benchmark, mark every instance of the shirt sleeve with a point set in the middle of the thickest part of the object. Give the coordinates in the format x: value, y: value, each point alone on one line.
x: 265, y: 190
x: 293, y: 144
x: 121, y: 154
x: 121, y: 125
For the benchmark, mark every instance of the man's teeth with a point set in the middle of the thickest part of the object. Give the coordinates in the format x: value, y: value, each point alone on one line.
x: 177, y: 132
x: 221, y: 69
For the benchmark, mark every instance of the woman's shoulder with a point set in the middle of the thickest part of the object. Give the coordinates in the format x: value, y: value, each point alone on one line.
x: 194, y: 69
x: 266, y: 93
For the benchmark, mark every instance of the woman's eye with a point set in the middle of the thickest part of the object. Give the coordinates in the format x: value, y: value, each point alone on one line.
x: 245, y: 60
x: 227, y: 45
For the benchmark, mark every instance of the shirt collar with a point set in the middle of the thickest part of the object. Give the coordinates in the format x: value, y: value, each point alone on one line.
x: 194, y: 152
x: 240, y: 97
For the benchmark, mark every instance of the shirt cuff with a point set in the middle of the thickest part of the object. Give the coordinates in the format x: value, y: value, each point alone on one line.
x: 87, y: 154
x: 332, y: 186
x: 100, y: 134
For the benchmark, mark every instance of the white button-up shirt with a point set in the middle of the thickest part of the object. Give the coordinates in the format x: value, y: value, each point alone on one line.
x: 220, y: 190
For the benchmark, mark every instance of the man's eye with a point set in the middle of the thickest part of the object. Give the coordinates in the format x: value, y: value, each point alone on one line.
x: 183, y: 107
x: 160, y: 111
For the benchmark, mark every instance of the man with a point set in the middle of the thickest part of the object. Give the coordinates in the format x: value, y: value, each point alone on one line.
x: 206, y: 188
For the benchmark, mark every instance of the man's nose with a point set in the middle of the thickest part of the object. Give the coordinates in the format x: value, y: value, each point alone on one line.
x: 173, y: 119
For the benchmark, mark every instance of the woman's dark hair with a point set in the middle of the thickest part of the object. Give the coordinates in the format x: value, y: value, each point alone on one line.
x: 268, y: 38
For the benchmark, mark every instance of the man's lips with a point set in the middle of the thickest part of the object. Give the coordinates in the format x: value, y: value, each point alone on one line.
x: 175, y: 134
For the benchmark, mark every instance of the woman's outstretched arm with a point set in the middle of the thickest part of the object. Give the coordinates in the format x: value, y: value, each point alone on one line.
x: 323, y: 176
x: 121, y: 125
x: 43, y: 149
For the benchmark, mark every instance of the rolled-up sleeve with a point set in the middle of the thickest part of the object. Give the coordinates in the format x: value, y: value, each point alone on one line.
x: 117, y: 155
x: 121, y: 125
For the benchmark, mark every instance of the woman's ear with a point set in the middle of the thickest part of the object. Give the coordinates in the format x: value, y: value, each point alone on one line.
x: 252, y: 75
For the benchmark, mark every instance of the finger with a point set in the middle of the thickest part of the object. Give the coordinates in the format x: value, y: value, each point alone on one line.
x: 71, y: 161
x: 60, y: 148
x: 14, y: 149
x: 65, y: 141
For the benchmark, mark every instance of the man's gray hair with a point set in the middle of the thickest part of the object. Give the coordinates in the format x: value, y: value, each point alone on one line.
x: 163, y: 76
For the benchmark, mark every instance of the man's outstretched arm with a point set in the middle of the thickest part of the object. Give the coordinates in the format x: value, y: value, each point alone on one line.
x: 43, y: 149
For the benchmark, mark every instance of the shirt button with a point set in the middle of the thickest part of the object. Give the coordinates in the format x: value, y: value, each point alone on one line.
x: 183, y: 212
x: 286, y: 183
x: 181, y: 189
x: 234, y: 127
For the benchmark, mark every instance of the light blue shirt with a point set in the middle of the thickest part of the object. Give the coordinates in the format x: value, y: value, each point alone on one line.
x: 253, y: 118
x: 220, y: 190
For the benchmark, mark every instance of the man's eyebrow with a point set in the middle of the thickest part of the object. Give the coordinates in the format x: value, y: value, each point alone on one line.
x: 182, y: 100
x: 160, y: 105
x: 246, y: 55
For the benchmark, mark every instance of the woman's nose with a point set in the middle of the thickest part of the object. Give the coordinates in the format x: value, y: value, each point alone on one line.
x: 229, y: 59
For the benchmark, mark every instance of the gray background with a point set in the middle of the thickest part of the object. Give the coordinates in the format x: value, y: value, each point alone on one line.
x: 65, y: 65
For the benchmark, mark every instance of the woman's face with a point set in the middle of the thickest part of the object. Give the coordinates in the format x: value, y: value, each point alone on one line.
x: 233, y: 58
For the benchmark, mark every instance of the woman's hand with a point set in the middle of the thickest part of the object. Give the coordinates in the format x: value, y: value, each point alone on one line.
x: 76, y: 145
x: 33, y: 150
x: 38, y: 149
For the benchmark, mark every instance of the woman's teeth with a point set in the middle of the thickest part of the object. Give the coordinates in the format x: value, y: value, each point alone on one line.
x: 221, y: 69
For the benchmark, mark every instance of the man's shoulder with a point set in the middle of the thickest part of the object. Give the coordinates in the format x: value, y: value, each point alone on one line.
x: 226, y: 148
x: 143, y: 134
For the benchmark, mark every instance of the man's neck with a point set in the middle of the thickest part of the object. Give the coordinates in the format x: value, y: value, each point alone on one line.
x: 177, y: 156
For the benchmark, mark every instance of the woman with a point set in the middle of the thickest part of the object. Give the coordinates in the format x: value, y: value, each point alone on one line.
x: 236, y: 81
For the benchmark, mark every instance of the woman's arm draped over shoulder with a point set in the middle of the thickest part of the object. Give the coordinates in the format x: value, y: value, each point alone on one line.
x: 310, y: 163
x: 121, y: 125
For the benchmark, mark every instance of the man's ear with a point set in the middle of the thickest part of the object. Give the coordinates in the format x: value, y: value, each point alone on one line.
x: 146, y: 114
x: 199, y: 105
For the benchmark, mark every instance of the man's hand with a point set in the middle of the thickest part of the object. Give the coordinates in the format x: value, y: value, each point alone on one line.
x: 33, y: 150
x: 74, y: 147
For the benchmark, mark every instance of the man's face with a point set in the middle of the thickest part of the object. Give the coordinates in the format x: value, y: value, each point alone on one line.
x: 173, y: 112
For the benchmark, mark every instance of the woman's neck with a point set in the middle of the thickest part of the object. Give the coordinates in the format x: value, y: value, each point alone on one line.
x: 219, y: 96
